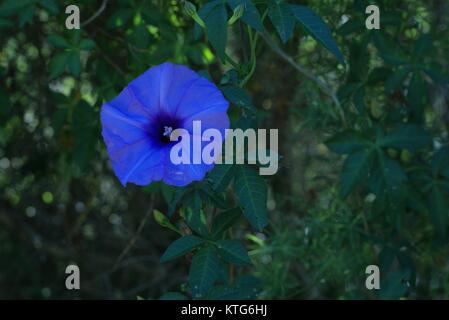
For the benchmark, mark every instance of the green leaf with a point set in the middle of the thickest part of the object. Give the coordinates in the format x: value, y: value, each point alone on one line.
x: 438, y: 208
x: 350, y: 26
x: 238, y: 97
x: 251, y: 15
x: 282, y: 18
x: 245, y: 288
x: 394, y: 285
x: 58, y: 41
x: 388, y: 50
x: 50, y: 5
x: 208, y: 194
x: 358, y: 60
x: 57, y: 64
x: 163, y: 221
x: 417, y: 92
x: 395, y: 80
x: 386, y: 175
x: 406, y: 136
x: 359, y: 100
x: 317, y: 28
x: 11, y: 7
x: 355, y: 170
x: 379, y: 75
x: 221, y: 176
x: 203, y: 271
x: 233, y: 252
x: 87, y: 44
x: 177, y: 196
x: 180, y: 247
x: 436, y: 75
x: 215, y: 17
x: 173, y: 296
x: 348, y: 142
x: 74, y: 63
x: 196, y: 220
x: 193, y: 200
x: 440, y: 162
x: 422, y: 45
x: 5, y: 23
x: 26, y: 16
x: 224, y: 221
x: 251, y: 191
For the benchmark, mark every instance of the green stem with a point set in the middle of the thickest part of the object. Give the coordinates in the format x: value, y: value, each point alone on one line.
x: 231, y: 61
x: 252, y: 44
x: 252, y: 60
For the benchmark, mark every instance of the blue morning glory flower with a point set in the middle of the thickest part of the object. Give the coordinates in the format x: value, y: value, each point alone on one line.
x: 138, y: 122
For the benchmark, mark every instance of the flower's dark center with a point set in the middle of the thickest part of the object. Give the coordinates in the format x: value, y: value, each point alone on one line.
x: 162, y: 126
x: 165, y: 134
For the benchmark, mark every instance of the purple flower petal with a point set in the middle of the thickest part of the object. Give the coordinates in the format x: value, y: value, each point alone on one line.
x: 136, y: 122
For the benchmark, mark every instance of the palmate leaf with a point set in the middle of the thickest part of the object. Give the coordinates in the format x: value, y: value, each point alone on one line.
x: 233, y: 252
x: 86, y: 44
x: 177, y: 196
x: 251, y: 15
x: 395, y: 81
x: 238, y: 97
x: 386, y: 175
x: 251, y: 191
x: 317, y: 28
x: 221, y: 176
x: 348, y: 141
x: 58, y: 64
x: 355, y: 170
x: 406, y: 136
x: 388, y: 50
x: 196, y: 220
x: 180, y: 247
x: 58, y: 41
x: 74, y: 63
x: 224, y: 221
x: 282, y: 18
x: 203, y: 271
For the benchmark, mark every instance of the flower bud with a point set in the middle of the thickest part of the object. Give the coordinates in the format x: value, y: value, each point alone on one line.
x: 238, y: 13
x: 189, y: 8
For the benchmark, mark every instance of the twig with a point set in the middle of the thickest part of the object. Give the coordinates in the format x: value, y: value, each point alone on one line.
x: 134, y: 238
x: 96, y: 14
x: 308, y: 74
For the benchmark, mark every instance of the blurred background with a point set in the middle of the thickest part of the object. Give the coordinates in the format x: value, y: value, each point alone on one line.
x: 61, y: 204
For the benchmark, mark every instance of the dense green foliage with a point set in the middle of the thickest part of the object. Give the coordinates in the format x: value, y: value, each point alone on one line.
x: 364, y: 156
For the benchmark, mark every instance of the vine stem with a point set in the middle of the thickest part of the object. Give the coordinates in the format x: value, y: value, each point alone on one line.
x: 96, y: 14
x: 253, y: 60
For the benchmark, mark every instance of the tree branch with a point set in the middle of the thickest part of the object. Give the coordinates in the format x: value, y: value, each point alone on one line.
x: 134, y: 238
x: 308, y: 74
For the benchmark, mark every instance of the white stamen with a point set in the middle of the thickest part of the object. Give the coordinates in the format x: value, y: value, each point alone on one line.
x: 167, y: 131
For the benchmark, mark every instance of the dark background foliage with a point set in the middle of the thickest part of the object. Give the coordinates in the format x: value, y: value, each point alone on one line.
x: 364, y: 170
